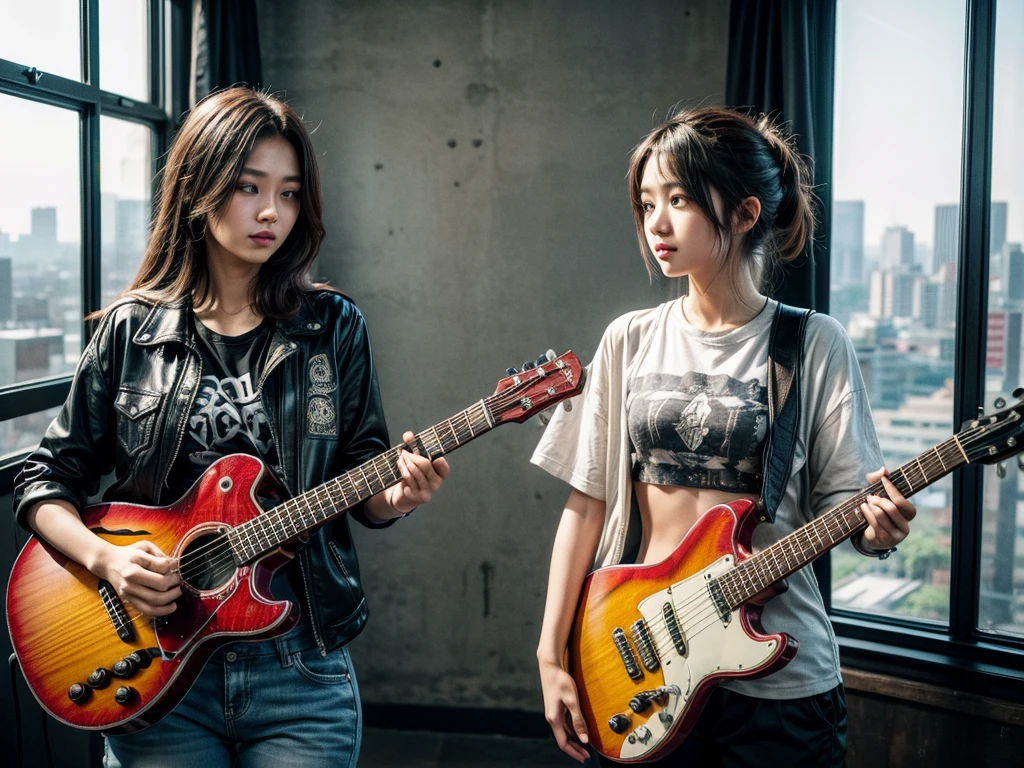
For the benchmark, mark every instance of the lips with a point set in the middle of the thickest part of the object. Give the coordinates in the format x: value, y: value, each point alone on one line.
x: 263, y: 238
x: 662, y: 250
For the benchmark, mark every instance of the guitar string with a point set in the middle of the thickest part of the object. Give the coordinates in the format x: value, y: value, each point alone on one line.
x: 498, y: 404
x: 659, y: 630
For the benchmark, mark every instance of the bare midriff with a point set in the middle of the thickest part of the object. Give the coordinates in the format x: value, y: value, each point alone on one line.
x: 669, y: 511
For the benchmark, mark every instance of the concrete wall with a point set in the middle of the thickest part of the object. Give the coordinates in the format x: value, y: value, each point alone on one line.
x: 473, y: 158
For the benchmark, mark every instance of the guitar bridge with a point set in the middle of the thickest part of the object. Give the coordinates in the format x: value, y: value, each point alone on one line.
x: 116, y: 612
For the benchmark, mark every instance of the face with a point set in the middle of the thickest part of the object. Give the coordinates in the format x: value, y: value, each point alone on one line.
x: 261, y: 212
x: 680, y: 236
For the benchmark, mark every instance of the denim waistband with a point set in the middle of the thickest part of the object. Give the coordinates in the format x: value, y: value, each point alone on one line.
x: 299, y: 638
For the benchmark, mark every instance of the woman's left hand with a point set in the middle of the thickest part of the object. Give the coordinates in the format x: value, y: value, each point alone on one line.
x: 888, y: 518
x: 420, y: 478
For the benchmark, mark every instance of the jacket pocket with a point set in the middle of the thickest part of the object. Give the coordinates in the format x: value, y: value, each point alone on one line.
x: 136, y: 417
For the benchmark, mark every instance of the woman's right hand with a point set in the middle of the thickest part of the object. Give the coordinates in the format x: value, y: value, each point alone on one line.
x: 562, y: 710
x: 141, y: 574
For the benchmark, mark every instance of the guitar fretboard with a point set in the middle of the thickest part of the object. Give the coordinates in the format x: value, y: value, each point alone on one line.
x: 757, y: 573
x: 315, y: 507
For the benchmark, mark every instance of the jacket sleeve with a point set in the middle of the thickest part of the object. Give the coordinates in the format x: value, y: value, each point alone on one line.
x: 78, y: 446
x: 363, y: 433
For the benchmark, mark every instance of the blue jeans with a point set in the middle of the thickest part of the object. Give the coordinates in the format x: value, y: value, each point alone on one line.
x: 275, y: 703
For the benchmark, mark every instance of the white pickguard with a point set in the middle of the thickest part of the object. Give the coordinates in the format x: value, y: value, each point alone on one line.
x: 713, y: 645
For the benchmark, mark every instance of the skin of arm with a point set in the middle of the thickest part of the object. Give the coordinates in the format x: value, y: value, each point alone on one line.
x: 576, y: 540
x: 142, y: 575
x: 420, y: 478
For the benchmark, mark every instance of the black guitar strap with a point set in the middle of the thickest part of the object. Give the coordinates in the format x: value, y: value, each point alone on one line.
x: 785, y: 363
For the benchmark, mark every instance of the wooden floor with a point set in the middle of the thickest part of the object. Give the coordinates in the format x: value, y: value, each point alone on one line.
x: 388, y: 748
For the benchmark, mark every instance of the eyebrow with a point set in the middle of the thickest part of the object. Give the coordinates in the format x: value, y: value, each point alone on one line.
x: 666, y: 185
x: 263, y: 174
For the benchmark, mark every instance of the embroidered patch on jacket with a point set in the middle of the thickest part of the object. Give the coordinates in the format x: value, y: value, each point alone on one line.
x: 321, y: 418
x: 321, y: 377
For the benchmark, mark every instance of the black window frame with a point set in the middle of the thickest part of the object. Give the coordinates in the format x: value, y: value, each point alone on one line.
x: 169, y: 60
x: 958, y: 655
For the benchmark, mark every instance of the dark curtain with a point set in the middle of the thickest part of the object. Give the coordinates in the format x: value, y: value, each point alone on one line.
x: 225, y: 46
x: 781, y: 62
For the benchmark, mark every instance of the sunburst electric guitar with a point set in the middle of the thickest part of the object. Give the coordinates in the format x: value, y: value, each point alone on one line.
x: 650, y: 642
x: 95, y: 663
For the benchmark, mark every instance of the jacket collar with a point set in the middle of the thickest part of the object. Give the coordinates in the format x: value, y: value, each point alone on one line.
x: 170, y: 322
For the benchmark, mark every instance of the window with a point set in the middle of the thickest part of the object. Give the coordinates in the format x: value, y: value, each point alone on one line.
x: 928, y: 278
x: 85, y: 94
x: 1001, y: 599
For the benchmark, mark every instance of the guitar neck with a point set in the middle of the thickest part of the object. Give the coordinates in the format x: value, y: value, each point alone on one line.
x: 806, y: 544
x: 315, y: 507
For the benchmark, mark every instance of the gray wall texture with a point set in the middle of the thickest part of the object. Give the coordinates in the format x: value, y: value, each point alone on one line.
x: 473, y: 158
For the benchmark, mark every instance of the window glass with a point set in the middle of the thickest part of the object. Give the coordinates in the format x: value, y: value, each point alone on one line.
x: 125, y: 179
x: 896, y: 187
x: 44, y: 34
x: 40, y: 241
x: 124, y: 48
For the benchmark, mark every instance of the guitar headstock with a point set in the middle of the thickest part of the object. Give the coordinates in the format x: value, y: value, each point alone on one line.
x: 991, y: 438
x: 539, y: 385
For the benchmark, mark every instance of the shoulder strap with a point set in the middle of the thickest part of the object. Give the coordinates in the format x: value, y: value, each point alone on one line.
x: 785, y: 362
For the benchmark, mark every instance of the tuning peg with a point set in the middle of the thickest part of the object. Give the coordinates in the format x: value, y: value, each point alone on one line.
x: 541, y: 360
x: 1019, y: 393
x: 511, y: 371
x: 528, y: 365
x: 550, y: 355
x: 1001, y: 470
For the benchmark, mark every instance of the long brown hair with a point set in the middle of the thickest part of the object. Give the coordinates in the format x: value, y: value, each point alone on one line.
x: 198, y: 180
x: 740, y: 157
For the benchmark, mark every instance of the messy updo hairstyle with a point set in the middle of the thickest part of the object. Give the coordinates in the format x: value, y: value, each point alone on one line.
x: 198, y: 180
x: 740, y: 157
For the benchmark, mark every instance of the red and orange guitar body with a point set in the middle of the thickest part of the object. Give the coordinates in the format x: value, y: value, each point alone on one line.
x: 649, y: 642
x: 94, y: 663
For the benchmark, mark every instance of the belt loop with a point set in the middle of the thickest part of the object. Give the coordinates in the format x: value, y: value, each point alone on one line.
x: 283, y: 652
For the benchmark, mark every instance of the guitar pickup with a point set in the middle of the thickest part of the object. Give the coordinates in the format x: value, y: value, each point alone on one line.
x: 626, y: 653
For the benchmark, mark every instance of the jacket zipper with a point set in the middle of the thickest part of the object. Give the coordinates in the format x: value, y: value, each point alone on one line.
x: 181, y: 423
x: 274, y: 361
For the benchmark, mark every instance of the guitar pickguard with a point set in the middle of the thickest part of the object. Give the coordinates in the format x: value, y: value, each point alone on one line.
x: 716, y: 644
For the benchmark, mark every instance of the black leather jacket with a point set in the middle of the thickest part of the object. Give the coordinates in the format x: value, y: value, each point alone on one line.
x: 131, y: 396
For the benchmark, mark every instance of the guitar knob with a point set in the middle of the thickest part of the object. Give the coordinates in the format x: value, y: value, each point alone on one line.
x: 126, y: 667
x: 79, y: 693
x: 511, y: 371
x: 665, y: 717
x: 142, y: 659
x: 100, y: 678
x: 619, y: 723
x: 124, y: 695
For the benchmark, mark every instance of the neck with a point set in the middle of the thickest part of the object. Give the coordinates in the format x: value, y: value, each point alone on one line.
x: 719, y: 302
x: 229, y: 303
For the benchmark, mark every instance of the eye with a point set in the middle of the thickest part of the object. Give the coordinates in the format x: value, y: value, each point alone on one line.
x: 678, y: 200
x: 291, y: 194
x: 247, y: 188
x: 647, y: 207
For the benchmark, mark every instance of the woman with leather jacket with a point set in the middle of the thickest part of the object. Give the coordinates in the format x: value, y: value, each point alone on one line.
x: 222, y: 345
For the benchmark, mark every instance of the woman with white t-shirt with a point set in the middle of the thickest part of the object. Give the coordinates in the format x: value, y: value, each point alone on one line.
x: 675, y: 417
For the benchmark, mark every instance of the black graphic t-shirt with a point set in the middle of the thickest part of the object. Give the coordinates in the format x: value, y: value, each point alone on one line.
x: 227, y: 414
